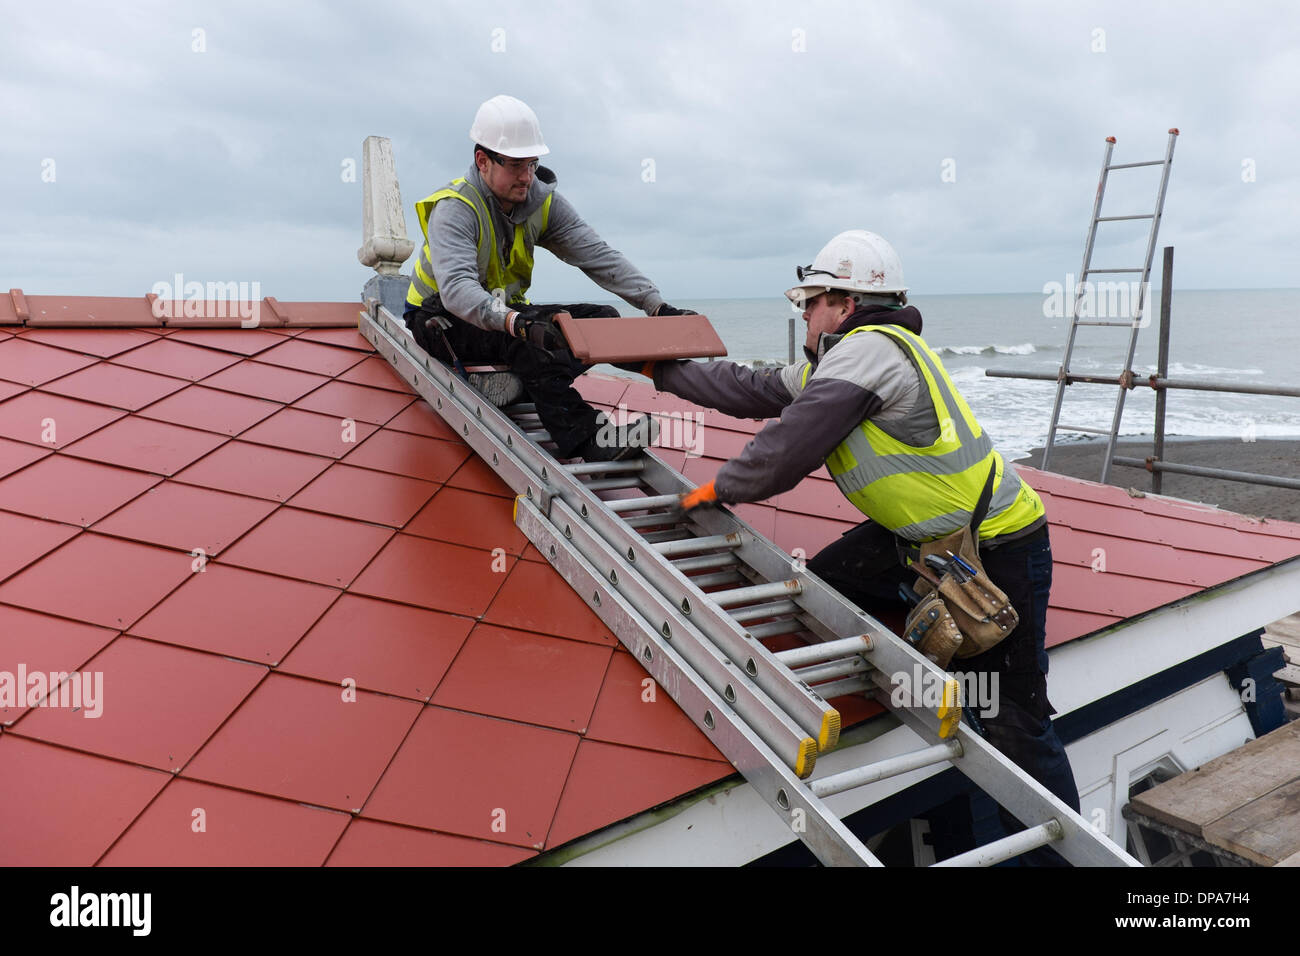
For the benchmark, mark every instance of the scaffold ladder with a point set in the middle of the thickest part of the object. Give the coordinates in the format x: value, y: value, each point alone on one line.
x: 614, y: 532
x: 1084, y: 284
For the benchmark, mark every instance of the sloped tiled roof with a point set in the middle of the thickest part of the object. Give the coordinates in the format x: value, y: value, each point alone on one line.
x: 354, y: 676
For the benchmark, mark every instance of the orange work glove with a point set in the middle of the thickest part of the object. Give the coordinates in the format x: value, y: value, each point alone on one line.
x: 703, y: 496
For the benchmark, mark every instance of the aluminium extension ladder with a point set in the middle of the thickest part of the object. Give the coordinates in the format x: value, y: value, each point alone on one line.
x: 628, y: 557
x: 1132, y: 324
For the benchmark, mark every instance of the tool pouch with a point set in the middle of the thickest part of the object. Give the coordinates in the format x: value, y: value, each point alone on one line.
x: 980, y: 608
x: 932, y: 631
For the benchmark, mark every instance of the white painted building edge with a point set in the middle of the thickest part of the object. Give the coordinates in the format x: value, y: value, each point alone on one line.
x: 734, y: 826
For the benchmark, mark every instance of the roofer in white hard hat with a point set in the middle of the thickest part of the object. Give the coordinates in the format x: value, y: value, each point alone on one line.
x: 467, y: 300
x: 873, y: 402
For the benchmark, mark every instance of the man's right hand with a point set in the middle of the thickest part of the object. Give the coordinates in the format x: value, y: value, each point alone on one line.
x: 536, y: 327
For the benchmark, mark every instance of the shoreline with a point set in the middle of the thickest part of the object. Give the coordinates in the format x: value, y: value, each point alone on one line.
x: 1266, y: 456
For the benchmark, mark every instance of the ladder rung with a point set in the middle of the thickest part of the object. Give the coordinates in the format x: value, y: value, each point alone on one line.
x: 1093, y: 272
x: 1083, y: 428
x: 756, y: 592
x: 826, y: 651
x: 1149, y: 162
x: 703, y: 562
x: 706, y: 543
x: 841, y: 688
x: 1007, y: 847
x: 890, y: 767
x: 757, y: 612
x: 609, y: 484
x: 652, y: 521
x: 604, y: 467
x: 1149, y: 215
x: 775, y: 628
x: 1125, y: 325
x: 717, y: 577
x: 641, y: 504
x: 523, y: 408
x: 832, y: 669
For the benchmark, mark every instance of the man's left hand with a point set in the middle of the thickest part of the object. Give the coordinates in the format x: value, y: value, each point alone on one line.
x: 705, y: 496
x: 667, y: 309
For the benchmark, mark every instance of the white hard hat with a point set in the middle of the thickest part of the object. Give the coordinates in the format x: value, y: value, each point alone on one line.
x: 854, y: 261
x: 507, y: 126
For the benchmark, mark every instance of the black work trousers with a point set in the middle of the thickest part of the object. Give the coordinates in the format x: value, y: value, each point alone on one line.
x: 547, y: 376
x: 865, y: 567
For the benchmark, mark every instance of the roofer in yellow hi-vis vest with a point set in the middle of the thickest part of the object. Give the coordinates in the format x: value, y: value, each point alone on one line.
x: 874, y: 403
x: 468, y: 302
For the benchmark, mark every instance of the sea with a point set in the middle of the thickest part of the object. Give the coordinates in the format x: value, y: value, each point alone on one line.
x: 1239, y: 336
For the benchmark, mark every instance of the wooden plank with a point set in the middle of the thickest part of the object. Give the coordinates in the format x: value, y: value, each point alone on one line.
x: 1264, y: 831
x: 1292, y: 860
x: 1193, y: 800
x: 1289, y: 675
x: 1285, y: 631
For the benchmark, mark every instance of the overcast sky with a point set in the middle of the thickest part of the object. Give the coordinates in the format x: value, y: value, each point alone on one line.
x: 143, y: 139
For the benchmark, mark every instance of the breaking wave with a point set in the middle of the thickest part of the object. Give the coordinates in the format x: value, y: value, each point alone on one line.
x: 1025, y: 348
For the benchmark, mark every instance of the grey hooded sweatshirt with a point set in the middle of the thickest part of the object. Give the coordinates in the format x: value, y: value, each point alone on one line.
x: 866, y: 376
x: 453, y: 251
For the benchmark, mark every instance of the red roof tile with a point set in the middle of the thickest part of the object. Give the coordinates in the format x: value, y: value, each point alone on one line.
x: 198, y: 824
x: 369, y: 843
x: 15, y: 455
x: 254, y: 470
x: 365, y: 494
x: 30, y: 363
x: 463, y: 517
x: 102, y: 342
x: 176, y: 359
x: 401, y: 453
x: 309, y: 546
x: 114, y: 385
x: 528, y: 600
x: 434, y: 574
x: 345, y: 400
x: 52, y: 421
x: 260, y: 380
x: 309, y: 432
x: 39, y: 642
x: 311, y: 357
x: 377, y: 373
x: 156, y: 447
x: 239, y: 341
x: 23, y: 540
x: 71, y: 490
x: 210, y: 409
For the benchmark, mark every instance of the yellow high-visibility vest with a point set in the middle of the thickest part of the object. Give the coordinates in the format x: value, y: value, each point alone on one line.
x: 923, y: 493
x: 511, y: 278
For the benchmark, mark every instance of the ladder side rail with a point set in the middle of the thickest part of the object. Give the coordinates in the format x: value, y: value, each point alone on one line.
x: 822, y: 831
x: 1074, y: 307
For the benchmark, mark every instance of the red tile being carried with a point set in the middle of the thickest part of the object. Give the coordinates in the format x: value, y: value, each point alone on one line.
x: 114, y: 385
x: 102, y: 342
x: 177, y: 515
x: 308, y: 546
x: 47, y: 822
x: 633, y: 710
x: 536, y: 598
x: 366, y: 495
x: 146, y: 445
x: 30, y: 363
x: 311, y: 433
x: 99, y: 580
x: 401, y: 453
x: 386, y: 647
x: 176, y: 359
x: 377, y: 373
x: 52, y: 421
x: 71, y: 490
x: 307, y: 741
x: 436, y: 575
x: 239, y: 341
x: 24, y: 539
x: 259, y: 380
x: 211, y: 410
x: 237, y: 613
x: 311, y: 357
x: 39, y: 642
x: 475, y: 520
x: 369, y: 843
x: 531, y: 678
x: 156, y: 704
x: 16, y: 454
x: 239, y: 829
x: 344, y: 400
x: 609, y: 783
x: 475, y: 776
x: 254, y: 470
